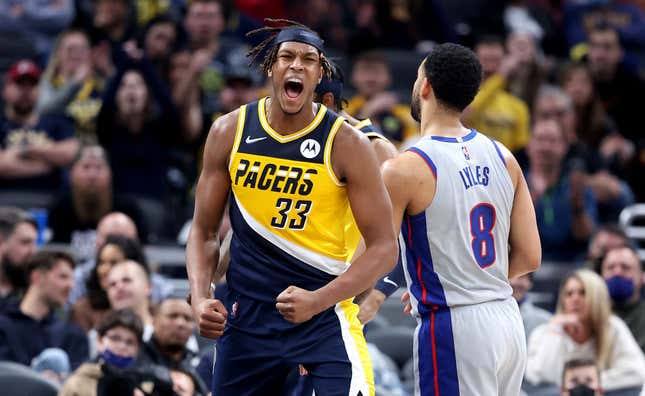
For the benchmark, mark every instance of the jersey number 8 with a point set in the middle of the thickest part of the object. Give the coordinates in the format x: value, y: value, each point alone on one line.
x: 482, y: 222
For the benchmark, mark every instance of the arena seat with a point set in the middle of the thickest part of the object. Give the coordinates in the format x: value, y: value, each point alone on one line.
x: 26, y: 199
x: 632, y: 220
x: 392, y: 311
x: 19, y: 380
x: 396, y: 342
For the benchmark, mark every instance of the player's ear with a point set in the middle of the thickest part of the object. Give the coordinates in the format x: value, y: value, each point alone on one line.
x: 426, y: 88
x: 269, y: 73
x: 328, y: 100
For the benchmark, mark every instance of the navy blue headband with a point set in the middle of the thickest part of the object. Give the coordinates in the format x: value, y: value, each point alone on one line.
x: 302, y: 36
x: 333, y: 86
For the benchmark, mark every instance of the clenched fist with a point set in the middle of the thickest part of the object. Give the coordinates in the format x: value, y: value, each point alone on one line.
x: 297, y: 305
x: 211, y: 316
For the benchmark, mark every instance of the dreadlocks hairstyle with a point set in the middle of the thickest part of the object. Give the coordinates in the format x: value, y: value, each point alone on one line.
x: 273, y: 28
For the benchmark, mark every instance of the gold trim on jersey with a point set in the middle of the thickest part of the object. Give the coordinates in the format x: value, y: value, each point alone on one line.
x: 292, y: 136
x: 328, y: 146
x: 239, y: 129
x: 356, y: 347
x: 363, y: 123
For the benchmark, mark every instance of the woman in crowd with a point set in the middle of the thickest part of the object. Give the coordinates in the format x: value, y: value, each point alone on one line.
x: 583, y: 327
x: 138, y: 124
x: 70, y: 86
x: 89, y: 310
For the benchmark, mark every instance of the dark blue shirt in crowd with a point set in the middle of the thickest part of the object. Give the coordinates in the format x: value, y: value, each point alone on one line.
x: 22, y: 338
x: 48, y: 129
x: 555, y: 218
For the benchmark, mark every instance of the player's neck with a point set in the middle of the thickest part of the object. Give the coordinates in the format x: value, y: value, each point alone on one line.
x: 442, y: 123
x: 286, y: 124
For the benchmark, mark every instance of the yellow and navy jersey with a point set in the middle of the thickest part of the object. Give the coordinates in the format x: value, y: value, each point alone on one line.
x: 370, y: 130
x: 286, y: 206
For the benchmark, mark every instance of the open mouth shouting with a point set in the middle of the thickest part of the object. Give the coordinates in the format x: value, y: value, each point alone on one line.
x: 293, y: 88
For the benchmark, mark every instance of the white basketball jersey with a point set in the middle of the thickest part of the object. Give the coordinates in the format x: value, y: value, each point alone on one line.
x: 455, y: 252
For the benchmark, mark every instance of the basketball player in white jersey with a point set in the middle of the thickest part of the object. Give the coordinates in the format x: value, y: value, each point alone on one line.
x: 467, y: 225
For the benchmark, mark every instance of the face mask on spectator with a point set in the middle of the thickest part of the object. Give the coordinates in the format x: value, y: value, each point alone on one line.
x: 620, y: 288
x: 117, y: 360
x: 581, y: 390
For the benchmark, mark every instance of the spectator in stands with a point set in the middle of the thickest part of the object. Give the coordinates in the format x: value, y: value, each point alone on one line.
x: 173, y: 326
x: 619, y: 91
x: 128, y: 286
x: 76, y: 214
x: 34, y: 149
x: 566, y: 209
x: 618, y: 88
x: 137, y: 124
x: 622, y: 270
x: 593, y: 124
x: 92, y: 307
x: 581, y: 377
x: 494, y: 111
x: 186, y: 383
x: 119, y: 340
x: 240, y: 88
x: 184, y: 71
x: 112, y: 19
x: 18, y: 232
x: 607, y: 237
x: 117, y: 224
x: 41, y: 19
x: 204, y: 22
x: 371, y: 78
x: 622, y: 16
x: 70, y: 85
x: 583, y: 327
x: 611, y: 193
x: 527, y: 77
x: 158, y: 39
x: 532, y: 315
x: 147, y: 10
x: 30, y: 328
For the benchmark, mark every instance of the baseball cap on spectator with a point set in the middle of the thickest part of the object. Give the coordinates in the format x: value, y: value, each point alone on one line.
x: 239, y: 73
x: 24, y: 69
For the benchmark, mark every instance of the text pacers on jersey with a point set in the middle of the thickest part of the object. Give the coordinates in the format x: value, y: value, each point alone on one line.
x: 277, y: 178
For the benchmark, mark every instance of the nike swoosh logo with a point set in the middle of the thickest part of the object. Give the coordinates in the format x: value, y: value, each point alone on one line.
x: 390, y: 281
x: 253, y: 140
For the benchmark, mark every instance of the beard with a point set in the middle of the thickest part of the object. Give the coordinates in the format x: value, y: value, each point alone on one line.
x: 14, y: 273
x: 415, y: 106
x: 23, y: 108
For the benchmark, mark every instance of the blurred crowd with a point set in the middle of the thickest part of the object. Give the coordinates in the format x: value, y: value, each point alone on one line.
x: 106, y: 105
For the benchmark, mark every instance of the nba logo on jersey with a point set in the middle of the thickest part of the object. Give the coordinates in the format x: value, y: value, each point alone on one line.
x: 466, y: 153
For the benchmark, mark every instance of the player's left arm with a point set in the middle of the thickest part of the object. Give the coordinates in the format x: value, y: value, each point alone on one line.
x: 355, y: 162
x: 524, y: 239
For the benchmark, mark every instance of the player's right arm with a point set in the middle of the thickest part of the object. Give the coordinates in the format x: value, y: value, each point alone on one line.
x: 202, y: 249
x: 525, y: 248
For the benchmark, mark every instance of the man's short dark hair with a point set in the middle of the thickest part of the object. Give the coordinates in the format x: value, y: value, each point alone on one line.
x: 489, y: 39
x: 602, y: 27
x: 454, y: 73
x: 10, y: 217
x: 45, y: 260
x: 372, y: 56
x: 576, y: 363
x: 125, y: 318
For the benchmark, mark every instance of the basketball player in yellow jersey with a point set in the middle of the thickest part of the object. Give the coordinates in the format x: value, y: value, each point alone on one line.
x: 290, y: 168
